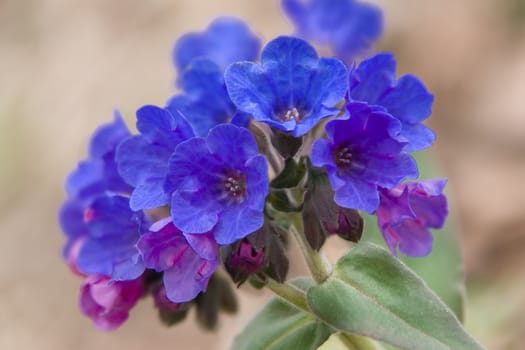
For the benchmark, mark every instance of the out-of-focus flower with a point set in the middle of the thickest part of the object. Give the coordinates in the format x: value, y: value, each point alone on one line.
x: 219, y: 183
x: 226, y: 40
x: 407, y: 99
x: 348, y: 27
x: 113, y: 230
x: 93, y: 177
x: 205, y: 102
x: 292, y: 89
x: 108, y: 303
x: 361, y: 154
x: 407, y: 212
x: 187, y: 261
x: 143, y: 159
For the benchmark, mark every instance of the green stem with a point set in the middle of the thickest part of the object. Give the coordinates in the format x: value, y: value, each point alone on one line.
x: 317, y: 262
x: 289, y: 293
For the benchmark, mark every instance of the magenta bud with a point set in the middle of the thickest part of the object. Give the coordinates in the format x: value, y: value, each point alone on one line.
x: 247, y: 258
x: 107, y: 302
x: 163, y: 303
x: 244, y: 260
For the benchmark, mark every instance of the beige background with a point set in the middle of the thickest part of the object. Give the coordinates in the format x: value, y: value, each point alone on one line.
x: 65, y: 65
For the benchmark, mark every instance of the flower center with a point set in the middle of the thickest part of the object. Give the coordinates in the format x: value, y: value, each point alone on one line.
x: 234, y: 186
x: 291, y: 114
x: 343, y: 157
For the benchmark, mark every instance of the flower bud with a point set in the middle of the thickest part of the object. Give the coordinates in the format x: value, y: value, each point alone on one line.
x: 170, y: 313
x: 244, y: 260
x: 107, y: 302
x: 163, y: 303
x: 323, y: 217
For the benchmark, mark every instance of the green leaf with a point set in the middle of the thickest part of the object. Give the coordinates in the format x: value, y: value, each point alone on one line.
x: 442, y: 270
x: 374, y: 294
x: 280, y: 325
x: 280, y: 202
x: 291, y: 175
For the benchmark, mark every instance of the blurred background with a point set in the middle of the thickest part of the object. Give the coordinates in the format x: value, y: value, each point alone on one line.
x: 66, y: 64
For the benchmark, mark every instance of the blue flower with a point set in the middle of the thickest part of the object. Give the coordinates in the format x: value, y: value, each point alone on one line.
x: 201, y: 59
x: 362, y: 153
x: 226, y: 40
x: 407, y: 99
x: 98, y: 173
x: 143, y: 159
x: 218, y: 183
x: 187, y: 261
x: 292, y: 89
x: 113, y: 230
x: 347, y: 26
x: 205, y: 102
x: 93, y: 177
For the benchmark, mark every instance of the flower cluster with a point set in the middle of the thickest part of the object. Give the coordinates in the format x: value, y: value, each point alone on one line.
x: 253, y: 138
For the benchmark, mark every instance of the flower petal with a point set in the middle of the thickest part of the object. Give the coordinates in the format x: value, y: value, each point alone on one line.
x: 250, y: 90
x: 232, y: 144
x: 358, y: 195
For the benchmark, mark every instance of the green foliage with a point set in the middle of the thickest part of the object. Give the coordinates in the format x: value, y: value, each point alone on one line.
x: 335, y: 343
x: 441, y: 270
x: 281, y: 326
x: 291, y: 175
x: 372, y: 293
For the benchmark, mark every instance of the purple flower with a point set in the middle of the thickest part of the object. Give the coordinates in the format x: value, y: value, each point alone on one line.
x: 108, y: 303
x: 205, y: 102
x: 292, y: 89
x: 219, y: 183
x: 226, y: 40
x: 108, y: 248
x: 407, y: 212
x: 143, y: 159
x: 407, y: 99
x: 347, y: 26
x: 187, y: 260
x: 360, y: 154
x: 93, y: 177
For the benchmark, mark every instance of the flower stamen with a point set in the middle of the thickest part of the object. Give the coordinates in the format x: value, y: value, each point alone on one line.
x: 343, y: 157
x: 291, y: 114
x: 234, y: 186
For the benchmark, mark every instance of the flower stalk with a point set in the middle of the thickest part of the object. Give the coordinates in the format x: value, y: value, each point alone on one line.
x: 317, y: 263
x: 289, y: 293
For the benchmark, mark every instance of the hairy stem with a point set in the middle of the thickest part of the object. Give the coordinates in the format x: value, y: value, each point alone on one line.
x: 317, y: 262
x: 289, y: 293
